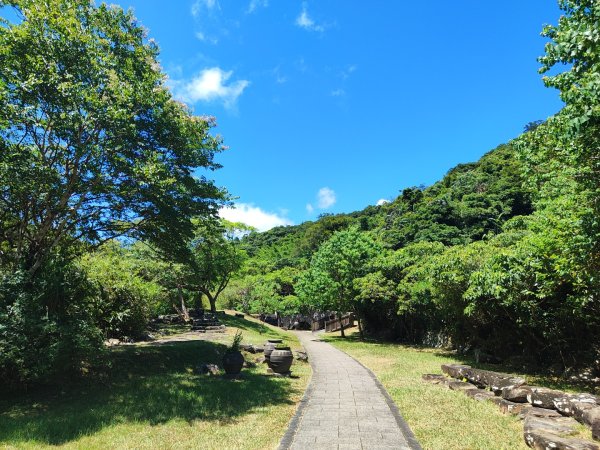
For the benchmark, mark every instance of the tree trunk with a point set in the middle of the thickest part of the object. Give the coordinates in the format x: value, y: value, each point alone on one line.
x: 184, y: 312
x: 213, y: 302
x: 360, y: 330
x: 341, y: 325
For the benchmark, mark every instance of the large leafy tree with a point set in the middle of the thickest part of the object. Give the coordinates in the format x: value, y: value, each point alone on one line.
x: 329, y: 282
x: 216, y: 256
x: 575, y: 45
x: 92, y: 144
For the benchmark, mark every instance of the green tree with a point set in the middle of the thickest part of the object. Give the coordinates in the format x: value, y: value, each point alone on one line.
x: 216, y: 257
x: 575, y: 45
x: 92, y: 144
x: 329, y: 281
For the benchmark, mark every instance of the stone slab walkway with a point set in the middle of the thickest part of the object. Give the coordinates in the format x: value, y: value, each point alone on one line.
x: 344, y: 407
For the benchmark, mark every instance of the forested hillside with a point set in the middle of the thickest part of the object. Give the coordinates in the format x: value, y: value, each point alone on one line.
x: 501, y: 256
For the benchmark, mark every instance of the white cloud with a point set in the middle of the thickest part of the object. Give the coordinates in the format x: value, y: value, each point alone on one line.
x: 338, y: 93
x: 306, y: 22
x: 253, y: 216
x: 382, y: 201
x: 204, y: 38
x: 254, y: 4
x: 325, y: 198
x: 210, y: 85
x: 208, y: 4
x: 309, y: 208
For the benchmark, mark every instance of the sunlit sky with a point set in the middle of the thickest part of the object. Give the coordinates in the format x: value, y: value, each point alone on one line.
x: 329, y: 106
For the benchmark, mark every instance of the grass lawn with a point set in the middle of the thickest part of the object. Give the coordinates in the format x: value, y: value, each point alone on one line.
x: 439, y: 417
x: 151, y: 398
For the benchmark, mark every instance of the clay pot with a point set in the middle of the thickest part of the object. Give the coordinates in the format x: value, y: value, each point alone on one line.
x: 281, y: 359
x: 233, y: 362
x: 270, y: 346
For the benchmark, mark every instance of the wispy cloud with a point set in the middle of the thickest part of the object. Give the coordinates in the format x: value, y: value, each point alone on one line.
x: 338, y: 93
x: 205, y: 38
x: 309, y: 208
x: 210, y: 85
x: 348, y: 71
x: 279, y: 77
x: 305, y: 21
x: 255, y: 4
x: 254, y: 216
x: 199, y: 5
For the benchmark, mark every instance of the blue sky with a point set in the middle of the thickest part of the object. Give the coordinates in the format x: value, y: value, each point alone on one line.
x: 329, y: 106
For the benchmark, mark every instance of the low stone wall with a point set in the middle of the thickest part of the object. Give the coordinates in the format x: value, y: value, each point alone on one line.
x: 550, y: 417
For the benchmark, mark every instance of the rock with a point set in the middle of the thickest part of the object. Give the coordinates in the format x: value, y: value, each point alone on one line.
x: 576, y: 404
x: 434, y: 378
x: 592, y: 418
x: 479, y: 394
x: 512, y: 408
x: 516, y: 394
x: 542, y: 440
x: 483, y: 378
x: 455, y: 370
x: 112, y: 342
x: 542, y: 412
x: 556, y: 425
x: 208, y: 369
x: 545, y: 398
x: 272, y: 373
x: 301, y: 356
x: 460, y: 385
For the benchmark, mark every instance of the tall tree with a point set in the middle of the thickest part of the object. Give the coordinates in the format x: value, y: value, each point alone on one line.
x: 92, y: 144
x: 330, y: 279
x: 216, y: 257
x: 575, y: 44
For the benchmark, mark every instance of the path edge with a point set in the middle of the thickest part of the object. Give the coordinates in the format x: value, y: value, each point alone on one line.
x: 290, y: 434
x: 402, y: 424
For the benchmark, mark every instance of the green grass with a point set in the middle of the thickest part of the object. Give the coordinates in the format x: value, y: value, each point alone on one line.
x: 439, y: 417
x: 151, y: 398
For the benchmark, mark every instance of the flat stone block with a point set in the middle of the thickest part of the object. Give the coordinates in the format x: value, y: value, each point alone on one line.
x: 542, y: 440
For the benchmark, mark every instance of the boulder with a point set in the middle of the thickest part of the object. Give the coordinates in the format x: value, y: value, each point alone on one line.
x: 545, y: 398
x: 591, y: 417
x: 455, y: 370
x: 576, y: 405
x: 542, y: 440
x: 479, y: 394
x: 556, y: 425
x: 516, y: 394
x: 483, y: 378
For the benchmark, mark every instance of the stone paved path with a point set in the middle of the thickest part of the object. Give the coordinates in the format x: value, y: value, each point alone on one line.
x: 344, y: 407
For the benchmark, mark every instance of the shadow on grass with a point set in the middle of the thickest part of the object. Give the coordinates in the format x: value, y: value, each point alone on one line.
x: 152, y: 384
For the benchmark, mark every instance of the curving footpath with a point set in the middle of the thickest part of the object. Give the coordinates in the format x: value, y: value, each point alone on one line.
x: 344, y: 407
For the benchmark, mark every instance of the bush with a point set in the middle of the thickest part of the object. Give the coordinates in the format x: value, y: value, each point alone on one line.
x: 47, y: 325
